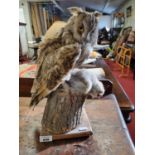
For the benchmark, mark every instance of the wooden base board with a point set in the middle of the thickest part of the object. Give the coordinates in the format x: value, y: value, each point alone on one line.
x: 82, y: 130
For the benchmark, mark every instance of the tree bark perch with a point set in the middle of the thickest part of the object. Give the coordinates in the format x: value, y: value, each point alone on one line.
x: 62, y: 111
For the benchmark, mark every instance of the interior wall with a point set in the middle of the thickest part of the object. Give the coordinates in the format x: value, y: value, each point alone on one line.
x: 23, y: 40
x: 105, y: 21
x: 129, y: 21
x: 24, y: 5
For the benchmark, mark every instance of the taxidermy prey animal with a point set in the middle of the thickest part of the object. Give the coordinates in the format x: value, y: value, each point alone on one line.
x: 87, y: 81
x: 67, y: 50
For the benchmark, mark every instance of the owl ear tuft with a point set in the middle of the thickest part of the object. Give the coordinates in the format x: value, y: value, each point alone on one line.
x: 75, y: 10
x: 97, y: 14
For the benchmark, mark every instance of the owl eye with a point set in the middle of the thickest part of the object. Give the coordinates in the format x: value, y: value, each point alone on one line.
x: 81, y: 29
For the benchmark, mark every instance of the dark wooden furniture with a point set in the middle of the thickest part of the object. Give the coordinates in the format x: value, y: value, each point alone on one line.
x: 110, y: 133
x: 25, y: 85
x: 123, y: 100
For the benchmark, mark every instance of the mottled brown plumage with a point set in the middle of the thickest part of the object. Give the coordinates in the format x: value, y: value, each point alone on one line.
x: 57, y: 56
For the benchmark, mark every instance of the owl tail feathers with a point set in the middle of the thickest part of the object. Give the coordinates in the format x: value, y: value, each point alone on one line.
x: 34, y: 101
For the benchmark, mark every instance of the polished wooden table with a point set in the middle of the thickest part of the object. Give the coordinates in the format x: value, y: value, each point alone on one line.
x: 124, y: 102
x: 110, y: 133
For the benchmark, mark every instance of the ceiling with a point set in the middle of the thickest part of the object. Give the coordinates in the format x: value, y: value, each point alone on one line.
x: 105, y: 6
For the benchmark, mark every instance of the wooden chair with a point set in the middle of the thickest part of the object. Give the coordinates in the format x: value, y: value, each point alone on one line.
x: 123, y: 59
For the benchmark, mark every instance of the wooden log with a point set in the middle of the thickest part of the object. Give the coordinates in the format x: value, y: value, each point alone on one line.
x: 62, y: 111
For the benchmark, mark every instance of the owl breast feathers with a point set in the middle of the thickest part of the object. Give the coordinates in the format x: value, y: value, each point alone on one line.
x: 59, y: 55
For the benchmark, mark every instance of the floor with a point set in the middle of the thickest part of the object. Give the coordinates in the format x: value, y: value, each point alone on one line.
x: 128, y: 83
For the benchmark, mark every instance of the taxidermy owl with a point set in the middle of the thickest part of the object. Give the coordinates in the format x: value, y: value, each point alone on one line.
x: 67, y: 50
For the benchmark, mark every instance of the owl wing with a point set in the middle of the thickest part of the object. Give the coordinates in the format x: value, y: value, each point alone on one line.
x: 53, y: 68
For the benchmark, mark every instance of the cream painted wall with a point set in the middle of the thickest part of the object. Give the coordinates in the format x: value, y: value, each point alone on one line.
x: 105, y: 21
x: 22, y: 32
x: 24, y: 4
x: 27, y: 18
x: 129, y: 21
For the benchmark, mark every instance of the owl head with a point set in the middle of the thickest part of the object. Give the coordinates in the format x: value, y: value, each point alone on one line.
x: 84, y: 25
